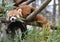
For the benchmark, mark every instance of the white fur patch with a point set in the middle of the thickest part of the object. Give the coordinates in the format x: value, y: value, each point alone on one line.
x: 13, y: 18
x: 18, y: 16
x: 20, y: 12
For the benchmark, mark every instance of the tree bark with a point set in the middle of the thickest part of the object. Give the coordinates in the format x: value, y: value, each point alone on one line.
x: 32, y: 15
x: 26, y: 2
x: 3, y: 2
x: 59, y: 11
x: 34, y: 4
x: 54, y: 12
x: 3, y: 20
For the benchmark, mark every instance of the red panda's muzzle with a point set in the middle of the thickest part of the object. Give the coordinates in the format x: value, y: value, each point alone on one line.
x: 12, y: 19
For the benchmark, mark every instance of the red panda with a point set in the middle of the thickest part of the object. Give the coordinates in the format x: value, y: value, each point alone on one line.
x: 14, y: 14
x: 27, y: 10
x: 14, y: 25
x: 22, y: 11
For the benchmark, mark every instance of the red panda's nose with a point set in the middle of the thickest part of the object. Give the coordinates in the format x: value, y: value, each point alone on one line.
x: 12, y: 19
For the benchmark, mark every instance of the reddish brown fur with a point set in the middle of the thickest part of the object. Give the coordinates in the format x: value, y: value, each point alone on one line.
x: 26, y: 10
x: 41, y: 18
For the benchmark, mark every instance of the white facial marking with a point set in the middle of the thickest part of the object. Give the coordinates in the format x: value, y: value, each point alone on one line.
x: 8, y: 15
x: 12, y: 19
x: 18, y: 16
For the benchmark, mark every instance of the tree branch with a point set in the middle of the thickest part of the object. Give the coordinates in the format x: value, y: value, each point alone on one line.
x: 22, y: 2
x: 3, y: 2
x: 1, y: 10
x: 26, y: 2
x: 32, y: 15
x: 3, y: 20
x: 40, y: 25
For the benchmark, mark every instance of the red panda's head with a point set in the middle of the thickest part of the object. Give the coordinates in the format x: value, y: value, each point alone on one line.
x: 22, y: 11
x: 14, y: 14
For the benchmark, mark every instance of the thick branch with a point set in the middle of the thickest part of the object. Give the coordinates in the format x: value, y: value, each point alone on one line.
x: 32, y: 15
x: 1, y: 10
x: 22, y: 2
x: 3, y: 20
x: 40, y: 25
x: 27, y: 2
x: 3, y: 2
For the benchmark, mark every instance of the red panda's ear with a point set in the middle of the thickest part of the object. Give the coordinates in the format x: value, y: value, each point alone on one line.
x: 20, y: 12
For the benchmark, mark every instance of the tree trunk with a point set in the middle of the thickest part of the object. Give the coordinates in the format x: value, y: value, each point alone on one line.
x: 34, y: 4
x: 44, y: 10
x: 3, y: 2
x: 59, y: 11
x: 54, y: 12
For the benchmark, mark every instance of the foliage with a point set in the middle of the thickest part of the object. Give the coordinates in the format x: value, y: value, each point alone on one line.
x: 6, y: 8
x: 20, y: 19
x: 42, y: 35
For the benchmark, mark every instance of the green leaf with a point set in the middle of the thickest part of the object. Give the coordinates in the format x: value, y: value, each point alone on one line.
x: 21, y: 19
x: 40, y: 21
